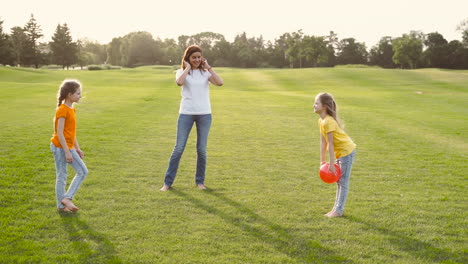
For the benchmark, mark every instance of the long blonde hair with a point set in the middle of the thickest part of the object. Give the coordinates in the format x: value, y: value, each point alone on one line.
x: 329, y: 103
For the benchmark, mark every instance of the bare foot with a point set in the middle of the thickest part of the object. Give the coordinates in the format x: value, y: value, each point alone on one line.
x: 69, y: 205
x: 334, y: 214
x: 64, y: 209
x: 201, y: 186
x: 165, y: 188
x: 327, y: 214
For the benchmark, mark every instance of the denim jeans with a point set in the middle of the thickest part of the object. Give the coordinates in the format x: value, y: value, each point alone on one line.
x: 184, y: 125
x: 61, y: 166
x: 346, y: 164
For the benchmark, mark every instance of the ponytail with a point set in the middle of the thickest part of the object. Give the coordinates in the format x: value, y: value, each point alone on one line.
x: 67, y: 87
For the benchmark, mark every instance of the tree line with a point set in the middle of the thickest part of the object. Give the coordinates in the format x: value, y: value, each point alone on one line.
x: 290, y: 50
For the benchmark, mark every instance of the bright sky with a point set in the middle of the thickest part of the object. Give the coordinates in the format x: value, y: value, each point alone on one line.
x: 365, y: 20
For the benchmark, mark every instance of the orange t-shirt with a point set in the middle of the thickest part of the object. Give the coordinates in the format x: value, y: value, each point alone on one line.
x: 69, y: 130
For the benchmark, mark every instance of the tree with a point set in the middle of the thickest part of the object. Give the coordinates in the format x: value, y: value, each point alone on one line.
x: 18, y: 40
x: 382, y: 53
x: 295, y: 51
x: 351, y: 52
x: 114, y: 55
x: 408, y: 50
x: 315, y: 50
x: 436, y: 53
x: 6, y: 48
x: 457, y: 55
x: 64, y: 50
x: 463, y: 28
x: 33, y: 32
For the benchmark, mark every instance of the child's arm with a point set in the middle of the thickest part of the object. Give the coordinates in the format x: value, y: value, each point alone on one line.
x: 331, y: 151
x: 61, y: 137
x: 323, y: 150
x: 78, y: 150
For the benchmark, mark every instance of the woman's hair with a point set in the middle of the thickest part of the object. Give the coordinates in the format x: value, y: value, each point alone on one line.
x: 67, y: 87
x: 329, y: 103
x: 188, y: 52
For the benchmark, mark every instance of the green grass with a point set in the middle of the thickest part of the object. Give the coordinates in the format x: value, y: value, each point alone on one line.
x: 407, y: 201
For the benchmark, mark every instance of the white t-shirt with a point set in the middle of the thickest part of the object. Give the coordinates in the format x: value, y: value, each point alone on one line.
x: 195, y: 93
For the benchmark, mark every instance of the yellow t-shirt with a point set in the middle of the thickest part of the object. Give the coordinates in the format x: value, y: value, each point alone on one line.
x: 69, y: 130
x: 343, y: 144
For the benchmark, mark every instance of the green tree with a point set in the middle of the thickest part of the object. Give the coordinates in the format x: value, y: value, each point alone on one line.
x: 6, y: 48
x: 351, y: 52
x: 114, y: 55
x: 295, y: 51
x: 315, y: 50
x: 64, y: 50
x: 18, y: 39
x: 382, y: 53
x: 457, y: 55
x: 408, y: 50
x: 31, y: 53
x: 463, y: 28
x: 436, y: 53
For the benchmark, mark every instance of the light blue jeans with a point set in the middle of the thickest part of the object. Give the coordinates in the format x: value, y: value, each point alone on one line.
x: 61, y: 166
x: 184, y: 125
x: 346, y: 164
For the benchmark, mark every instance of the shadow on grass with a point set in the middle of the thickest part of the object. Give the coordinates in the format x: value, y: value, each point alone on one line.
x: 413, y: 246
x: 281, y: 238
x: 91, y: 246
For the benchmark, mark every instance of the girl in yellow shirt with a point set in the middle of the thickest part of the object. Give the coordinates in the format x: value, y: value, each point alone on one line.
x: 339, y: 145
x: 65, y: 146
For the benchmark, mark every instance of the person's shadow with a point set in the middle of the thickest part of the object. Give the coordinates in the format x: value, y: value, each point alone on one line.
x: 418, y: 248
x: 89, y: 246
x: 283, y: 239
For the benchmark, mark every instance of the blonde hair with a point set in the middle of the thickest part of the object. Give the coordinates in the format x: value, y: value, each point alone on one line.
x: 68, y: 86
x: 329, y: 103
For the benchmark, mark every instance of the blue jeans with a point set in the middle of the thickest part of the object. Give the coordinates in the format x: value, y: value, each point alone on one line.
x: 346, y: 164
x: 61, y: 166
x: 184, y: 125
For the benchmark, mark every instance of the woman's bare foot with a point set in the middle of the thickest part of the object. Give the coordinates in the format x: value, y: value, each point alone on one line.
x: 165, y: 188
x: 201, y: 186
x: 69, y: 205
x: 334, y: 214
x: 327, y: 214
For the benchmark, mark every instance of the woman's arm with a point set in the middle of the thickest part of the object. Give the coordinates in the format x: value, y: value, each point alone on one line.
x: 214, y: 79
x: 331, y: 151
x: 61, y: 137
x: 181, y: 80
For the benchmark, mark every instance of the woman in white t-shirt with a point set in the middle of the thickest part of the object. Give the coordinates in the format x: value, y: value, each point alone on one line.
x: 194, y: 78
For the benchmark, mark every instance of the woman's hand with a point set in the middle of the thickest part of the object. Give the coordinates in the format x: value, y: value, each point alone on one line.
x: 187, y: 65
x: 206, y: 65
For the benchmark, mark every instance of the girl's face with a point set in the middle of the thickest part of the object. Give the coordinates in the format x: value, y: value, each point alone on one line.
x: 195, y: 60
x: 318, y: 107
x: 76, y: 96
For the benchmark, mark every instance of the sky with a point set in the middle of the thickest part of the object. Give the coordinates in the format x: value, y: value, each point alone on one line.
x: 365, y: 20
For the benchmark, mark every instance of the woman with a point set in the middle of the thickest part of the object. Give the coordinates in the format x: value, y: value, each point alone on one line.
x: 194, y: 78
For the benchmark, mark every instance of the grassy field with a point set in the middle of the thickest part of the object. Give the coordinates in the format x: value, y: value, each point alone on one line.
x: 265, y: 203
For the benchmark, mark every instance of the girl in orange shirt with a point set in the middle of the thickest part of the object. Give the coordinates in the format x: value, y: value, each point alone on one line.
x: 65, y: 146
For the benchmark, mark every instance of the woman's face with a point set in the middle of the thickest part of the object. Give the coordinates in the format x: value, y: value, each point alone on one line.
x: 195, y: 60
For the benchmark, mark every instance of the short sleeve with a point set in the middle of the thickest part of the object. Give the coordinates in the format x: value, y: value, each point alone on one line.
x: 61, y: 112
x: 179, y: 72
x: 330, y: 125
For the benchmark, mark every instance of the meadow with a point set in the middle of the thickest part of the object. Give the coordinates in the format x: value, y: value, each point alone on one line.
x: 265, y: 202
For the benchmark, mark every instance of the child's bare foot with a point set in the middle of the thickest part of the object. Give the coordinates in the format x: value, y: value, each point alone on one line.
x: 165, y: 188
x: 334, y: 214
x: 201, y: 186
x: 69, y: 205
x: 327, y: 214
x: 64, y: 209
